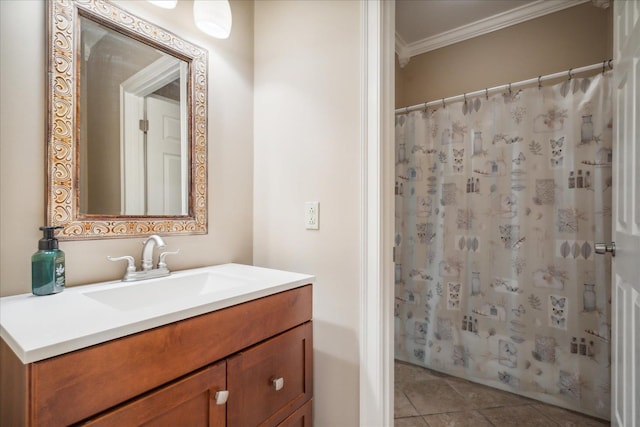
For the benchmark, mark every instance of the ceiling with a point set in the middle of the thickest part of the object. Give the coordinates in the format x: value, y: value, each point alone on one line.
x: 425, y: 25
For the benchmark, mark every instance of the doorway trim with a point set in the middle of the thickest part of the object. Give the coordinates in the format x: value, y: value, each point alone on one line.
x: 377, y: 47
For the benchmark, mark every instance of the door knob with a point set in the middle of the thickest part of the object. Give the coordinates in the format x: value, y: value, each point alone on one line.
x: 603, y: 248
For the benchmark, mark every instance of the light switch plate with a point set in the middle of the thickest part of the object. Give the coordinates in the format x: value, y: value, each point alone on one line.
x: 312, y: 215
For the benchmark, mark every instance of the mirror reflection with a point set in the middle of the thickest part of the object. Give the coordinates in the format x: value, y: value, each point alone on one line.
x: 133, y: 136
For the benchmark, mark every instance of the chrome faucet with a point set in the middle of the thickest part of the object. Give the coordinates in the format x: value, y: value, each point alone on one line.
x: 147, y: 251
x: 147, y: 270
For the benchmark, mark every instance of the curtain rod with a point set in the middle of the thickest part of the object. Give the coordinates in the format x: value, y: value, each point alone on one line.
x: 507, y: 87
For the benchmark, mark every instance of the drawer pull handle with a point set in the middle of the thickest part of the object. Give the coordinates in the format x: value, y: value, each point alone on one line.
x: 221, y: 397
x: 278, y: 383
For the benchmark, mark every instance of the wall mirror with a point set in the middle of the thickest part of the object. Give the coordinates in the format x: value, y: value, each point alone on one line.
x: 127, y: 125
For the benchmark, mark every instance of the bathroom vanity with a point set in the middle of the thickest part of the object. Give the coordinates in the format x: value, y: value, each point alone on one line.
x: 237, y: 355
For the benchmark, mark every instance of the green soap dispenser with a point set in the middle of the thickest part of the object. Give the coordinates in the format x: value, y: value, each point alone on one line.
x: 47, y: 265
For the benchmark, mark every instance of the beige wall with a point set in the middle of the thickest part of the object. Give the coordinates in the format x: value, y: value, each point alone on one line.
x: 571, y: 38
x: 22, y: 148
x: 307, y: 148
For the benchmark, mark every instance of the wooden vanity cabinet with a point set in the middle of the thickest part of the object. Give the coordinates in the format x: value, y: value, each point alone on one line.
x: 169, y: 376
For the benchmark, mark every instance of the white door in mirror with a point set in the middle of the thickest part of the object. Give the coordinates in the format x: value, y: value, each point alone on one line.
x: 163, y: 163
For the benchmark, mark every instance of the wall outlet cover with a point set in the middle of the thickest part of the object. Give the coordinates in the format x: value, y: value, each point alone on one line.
x: 312, y: 215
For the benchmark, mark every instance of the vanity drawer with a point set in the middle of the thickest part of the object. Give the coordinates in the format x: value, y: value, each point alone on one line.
x: 269, y: 381
x: 78, y: 385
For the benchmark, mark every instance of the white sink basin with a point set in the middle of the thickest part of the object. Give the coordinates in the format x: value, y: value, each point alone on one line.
x: 165, y: 290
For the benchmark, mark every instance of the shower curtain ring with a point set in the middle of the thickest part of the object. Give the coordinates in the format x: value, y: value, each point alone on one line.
x: 539, y: 82
x: 486, y: 93
x: 465, y: 97
x: 510, y: 93
x: 443, y: 104
x: 570, y: 76
x: 604, y: 63
x: 406, y: 110
x: 426, y: 107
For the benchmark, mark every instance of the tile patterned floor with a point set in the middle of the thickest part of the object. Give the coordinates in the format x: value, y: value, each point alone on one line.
x: 426, y: 398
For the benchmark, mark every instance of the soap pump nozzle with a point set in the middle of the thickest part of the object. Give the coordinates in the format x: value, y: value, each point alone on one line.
x: 48, y: 241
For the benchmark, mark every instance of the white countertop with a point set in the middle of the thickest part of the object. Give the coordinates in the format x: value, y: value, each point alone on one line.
x: 39, y: 327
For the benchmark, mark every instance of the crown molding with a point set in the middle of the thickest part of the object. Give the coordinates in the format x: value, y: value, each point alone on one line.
x: 511, y: 17
x: 401, y: 50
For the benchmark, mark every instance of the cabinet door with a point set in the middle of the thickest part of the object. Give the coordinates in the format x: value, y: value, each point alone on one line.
x: 271, y: 380
x: 186, y: 402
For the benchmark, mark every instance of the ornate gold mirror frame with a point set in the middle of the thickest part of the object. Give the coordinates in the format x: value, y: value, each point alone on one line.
x: 63, y: 79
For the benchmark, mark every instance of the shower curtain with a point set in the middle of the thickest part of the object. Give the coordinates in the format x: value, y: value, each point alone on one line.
x: 499, y: 201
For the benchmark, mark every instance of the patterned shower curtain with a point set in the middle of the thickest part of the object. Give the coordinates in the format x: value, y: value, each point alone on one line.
x: 499, y: 201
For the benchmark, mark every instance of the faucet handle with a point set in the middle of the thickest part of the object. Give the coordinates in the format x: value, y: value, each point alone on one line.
x: 131, y: 266
x: 163, y: 255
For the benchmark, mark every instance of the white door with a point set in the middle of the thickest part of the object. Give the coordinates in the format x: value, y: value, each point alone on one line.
x: 626, y: 217
x: 164, y: 163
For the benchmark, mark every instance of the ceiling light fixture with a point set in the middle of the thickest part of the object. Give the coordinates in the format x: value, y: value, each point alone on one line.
x: 213, y: 17
x: 165, y: 4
